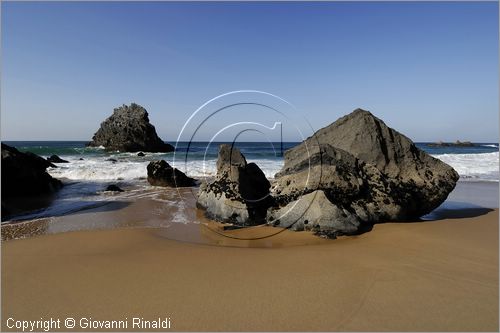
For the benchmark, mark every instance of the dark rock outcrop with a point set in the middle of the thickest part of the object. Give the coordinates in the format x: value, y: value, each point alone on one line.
x: 56, y: 159
x: 128, y: 129
x: 239, y: 193
x: 25, y: 182
x: 366, y: 170
x: 347, y: 176
x: 113, y: 188
x: 457, y: 143
x: 141, y: 154
x: 160, y: 173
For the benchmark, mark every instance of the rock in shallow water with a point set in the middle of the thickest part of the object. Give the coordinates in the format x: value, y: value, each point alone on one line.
x: 24, y: 179
x: 113, y: 188
x: 160, y: 173
x: 56, y: 159
x: 240, y: 192
x: 128, y: 129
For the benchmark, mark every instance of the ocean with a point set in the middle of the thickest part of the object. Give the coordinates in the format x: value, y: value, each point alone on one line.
x: 91, y: 169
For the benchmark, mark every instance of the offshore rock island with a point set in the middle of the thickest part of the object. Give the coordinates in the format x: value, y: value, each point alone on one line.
x: 128, y: 130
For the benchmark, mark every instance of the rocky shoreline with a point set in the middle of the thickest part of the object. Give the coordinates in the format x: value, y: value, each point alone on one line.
x: 349, y: 175
x: 25, y: 183
x: 354, y: 172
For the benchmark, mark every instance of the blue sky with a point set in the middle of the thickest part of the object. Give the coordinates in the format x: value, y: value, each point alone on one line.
x: 430, y: 70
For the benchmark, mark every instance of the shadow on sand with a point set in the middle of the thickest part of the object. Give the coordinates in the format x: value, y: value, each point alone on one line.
x: 446, y: 213
x: 455, y: 210
x: 449, y: 210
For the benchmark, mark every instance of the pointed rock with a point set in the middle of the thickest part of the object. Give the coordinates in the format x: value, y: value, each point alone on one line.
x: 128, y: 129
x: 366, y: 167
x: 239, y: 193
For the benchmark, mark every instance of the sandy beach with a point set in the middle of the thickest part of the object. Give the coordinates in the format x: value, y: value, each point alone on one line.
x: 426, y: 276
x: 282, y: 166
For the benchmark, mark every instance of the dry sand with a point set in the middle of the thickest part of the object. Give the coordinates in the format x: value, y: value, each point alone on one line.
x: 428, y: 276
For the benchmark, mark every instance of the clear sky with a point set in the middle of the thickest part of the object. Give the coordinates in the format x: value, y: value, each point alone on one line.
x: 430, y: 70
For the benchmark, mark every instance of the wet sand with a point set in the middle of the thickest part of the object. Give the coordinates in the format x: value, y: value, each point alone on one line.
x: 428, y: 276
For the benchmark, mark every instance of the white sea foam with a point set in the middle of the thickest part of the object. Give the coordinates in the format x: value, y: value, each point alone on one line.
x: 474, y: 166
x: 492, y: 146
x: 88, y: 179
x: 269, y: 167
x: 196, y: 168
x: 483, y: 166
x: 99, y: 169
x: 208, y: 168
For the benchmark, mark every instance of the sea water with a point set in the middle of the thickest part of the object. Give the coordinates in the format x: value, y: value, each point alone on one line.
x: 90, y: 170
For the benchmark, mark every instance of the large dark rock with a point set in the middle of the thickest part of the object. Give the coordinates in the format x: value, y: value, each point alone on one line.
x: 25, y: 182
x: 239, y: 193
x: 113, y: 188
x: 56, y: 159
x: 160, y: 173
x: 331, y: 192
x: 128, y: 129
x: 366, y: 170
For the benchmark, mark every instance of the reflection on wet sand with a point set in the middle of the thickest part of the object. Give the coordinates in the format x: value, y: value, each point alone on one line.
x: 172, y: 215
x: 170, y: 212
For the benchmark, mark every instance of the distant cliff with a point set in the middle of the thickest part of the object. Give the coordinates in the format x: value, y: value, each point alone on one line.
x: 457, y: 143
